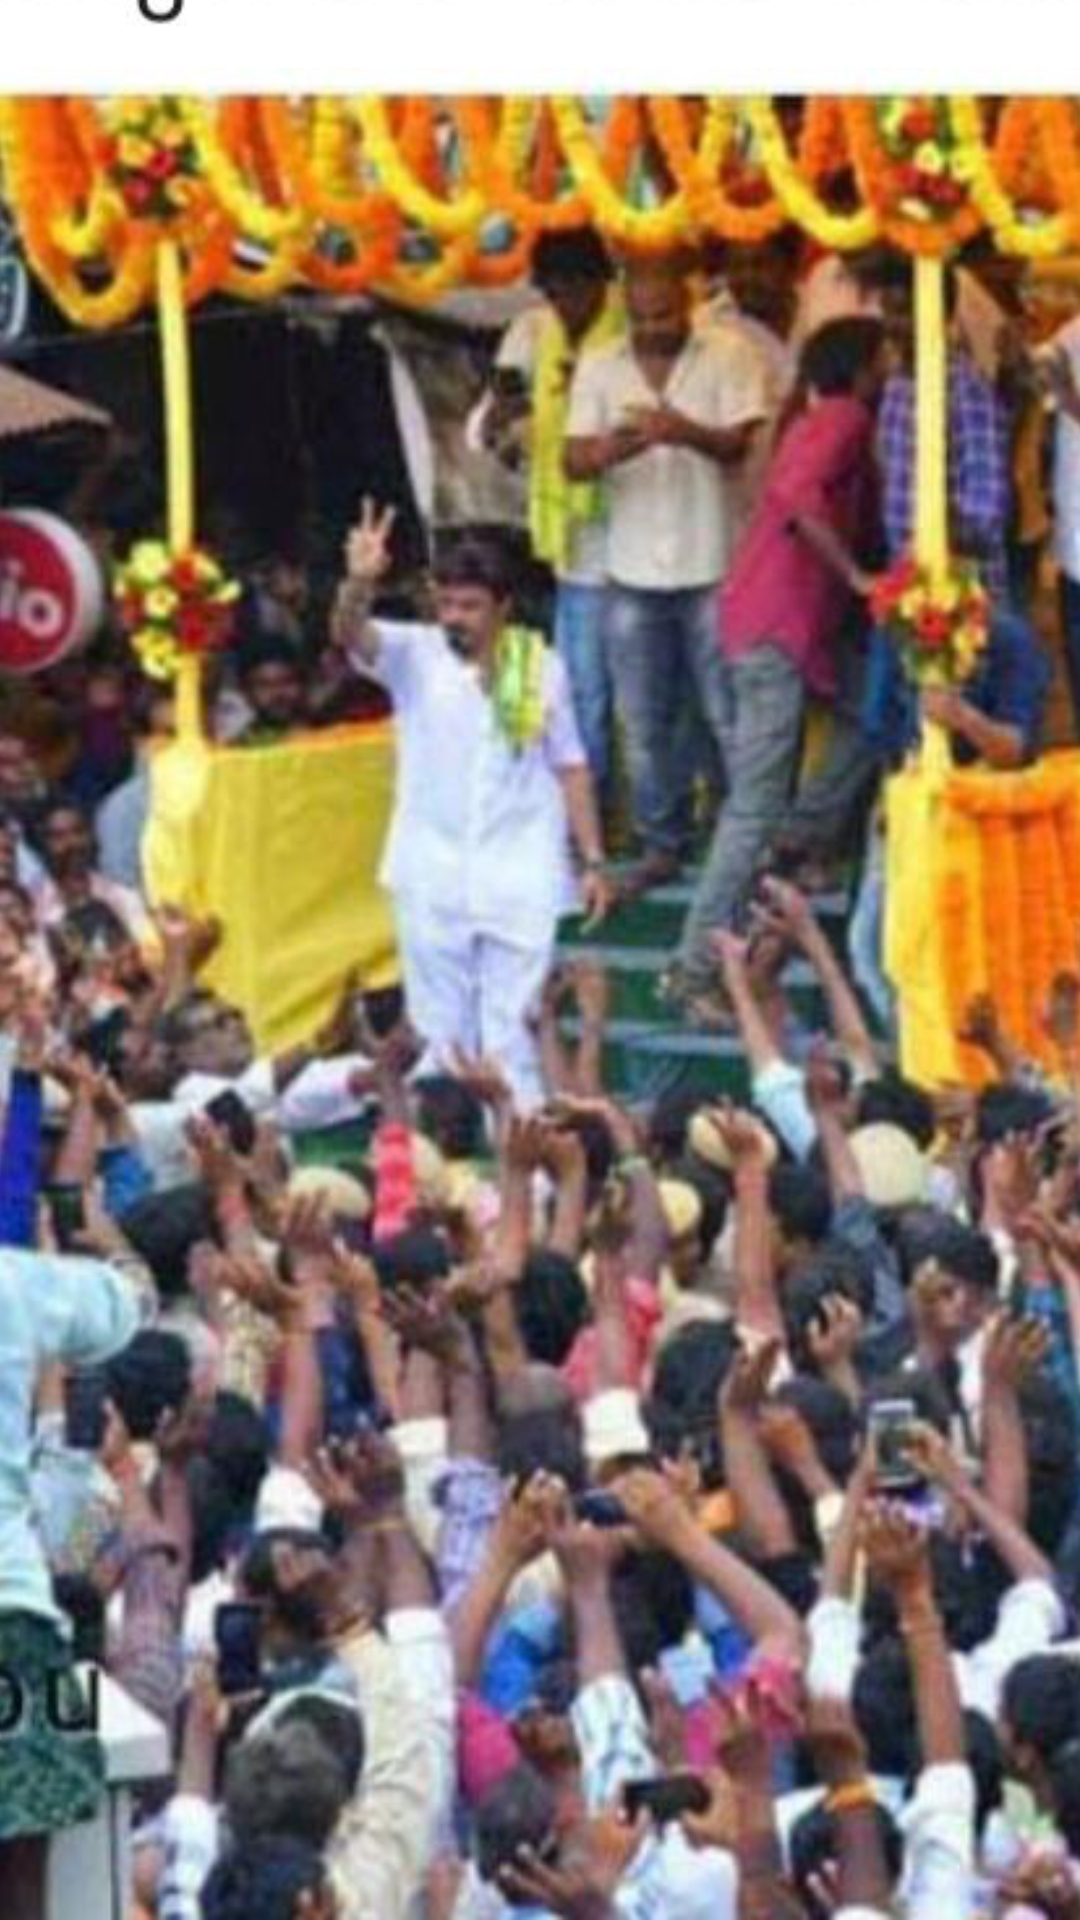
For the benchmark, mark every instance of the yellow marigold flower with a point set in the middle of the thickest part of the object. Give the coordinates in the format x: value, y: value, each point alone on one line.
x: 179, y: 192
x: 929, y: 157
x: 132, y: 150
x: 149, y: 562
x: 161, y: 603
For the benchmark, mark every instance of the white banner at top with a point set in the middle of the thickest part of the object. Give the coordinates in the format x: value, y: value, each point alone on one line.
x: 489, y: 46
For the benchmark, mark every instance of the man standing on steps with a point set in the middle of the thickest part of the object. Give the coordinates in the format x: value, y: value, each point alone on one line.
x: 665, y: 416
x: 492, y: 785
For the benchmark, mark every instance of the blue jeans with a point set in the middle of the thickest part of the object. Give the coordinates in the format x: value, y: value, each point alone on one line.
x: 579, y: 642
x: 663, y: 653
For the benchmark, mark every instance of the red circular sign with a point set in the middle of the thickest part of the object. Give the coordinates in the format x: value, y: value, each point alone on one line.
x: 51, y: 596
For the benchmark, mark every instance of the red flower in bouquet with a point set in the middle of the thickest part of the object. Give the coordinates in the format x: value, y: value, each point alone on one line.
x: 919, y: 123
x: 933, y: 627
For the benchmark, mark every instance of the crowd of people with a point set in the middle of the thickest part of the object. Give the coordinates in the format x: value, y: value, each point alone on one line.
x: 545, y: 1503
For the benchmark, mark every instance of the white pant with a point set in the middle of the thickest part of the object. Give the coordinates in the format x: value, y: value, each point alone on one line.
x: 470, y: 990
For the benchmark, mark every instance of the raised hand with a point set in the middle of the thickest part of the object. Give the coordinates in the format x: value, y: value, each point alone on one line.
x: 896, y: 1547
x: 362, y: 1479
x: 367, y: 548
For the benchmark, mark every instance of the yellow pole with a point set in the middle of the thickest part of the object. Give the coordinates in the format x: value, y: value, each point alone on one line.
x: 931, y: 421
x: 179, y: 454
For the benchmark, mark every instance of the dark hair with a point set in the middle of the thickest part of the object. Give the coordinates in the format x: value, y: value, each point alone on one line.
x: 518, y: 1811
x: 547, y: 1439
x: 293, y: 1783
x: 669, y: 1122
x: 653, y: 1598
x: 50, y: 808
x: 415, y: 1258
x: 452, y: 1114
x: 1040, y: 1705
x: 831, y: 1419
x: 966, y: 1253
x: 834, y: 1268
x: 164, y: 1227
x: 900, y: 1102
x: 476, y: 557
x: 149, y: 1377
x: 258, y: 1569
x: 799, y: 1200
x: 688, y: 1376
x: 837, y: 353
x: 224, y: 1479
x: 578, y: 253
x: 814, y: 1840
x: 262, y: 1881
x: 267, y: 650
x: 1004, y: 1110
x: 552, y: 1305
x: 983, y: 1750
x: 884, y: 1707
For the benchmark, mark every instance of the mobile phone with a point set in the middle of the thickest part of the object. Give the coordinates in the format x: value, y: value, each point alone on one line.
x: 68, y: 1213
x: 85, y: 1393
x: 103, y: 1040
x: 666, y: 1798
x: 600, y: 1509
x: 236, y: 1121
x: 890, y: 1424
x: 237, y: 1637
x: 509, y: 383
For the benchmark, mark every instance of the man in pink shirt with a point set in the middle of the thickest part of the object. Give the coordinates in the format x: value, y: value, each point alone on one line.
x: 788, y: 600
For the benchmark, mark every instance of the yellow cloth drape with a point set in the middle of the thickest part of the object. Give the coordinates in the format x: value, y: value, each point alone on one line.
x: 983, y: 891
x: 283, y: 848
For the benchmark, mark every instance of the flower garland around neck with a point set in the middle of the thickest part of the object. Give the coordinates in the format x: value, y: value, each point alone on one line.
x: 517, y: 687
x: 173, y: 605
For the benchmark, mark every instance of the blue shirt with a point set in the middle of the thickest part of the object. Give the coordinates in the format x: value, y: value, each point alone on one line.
x: 1010, y: 685
x: 52, y: 1307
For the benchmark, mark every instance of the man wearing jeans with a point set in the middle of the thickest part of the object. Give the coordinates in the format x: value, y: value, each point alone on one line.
x: 666, y: 416
x: 787, y: 616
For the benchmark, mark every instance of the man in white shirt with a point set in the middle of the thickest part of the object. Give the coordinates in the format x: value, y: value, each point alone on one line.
x: 522, y: 418
x: 492, y: 782
x: 666, y: 417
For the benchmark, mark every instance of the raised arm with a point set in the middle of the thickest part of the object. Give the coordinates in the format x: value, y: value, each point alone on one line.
x: 367, y: 561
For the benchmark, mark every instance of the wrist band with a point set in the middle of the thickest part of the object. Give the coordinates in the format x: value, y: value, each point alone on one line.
x: 852, y: 1798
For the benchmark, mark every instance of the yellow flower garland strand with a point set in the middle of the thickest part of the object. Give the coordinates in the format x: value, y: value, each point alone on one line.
x: 446, y: 219
x: 648, y: 228
x: 833, y: 230
x: 974, y: 165
x: 254, y: 216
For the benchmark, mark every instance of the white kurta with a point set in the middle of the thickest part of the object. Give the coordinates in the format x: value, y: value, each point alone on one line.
x: 478, y: 855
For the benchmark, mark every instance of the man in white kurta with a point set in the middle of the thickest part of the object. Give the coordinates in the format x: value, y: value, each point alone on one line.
x: 478, y: 854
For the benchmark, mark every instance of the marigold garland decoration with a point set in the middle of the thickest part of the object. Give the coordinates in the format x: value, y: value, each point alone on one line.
x: 940, y: 633
x: 151, y: 161
x: 173, y: 605
x: 338, y: 193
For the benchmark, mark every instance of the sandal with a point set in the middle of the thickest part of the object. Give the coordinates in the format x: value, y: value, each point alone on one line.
x: 699, y: 1002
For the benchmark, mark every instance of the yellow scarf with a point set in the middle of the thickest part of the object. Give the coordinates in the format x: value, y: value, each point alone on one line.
x: 557, y: 504
x: 517, y: 690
